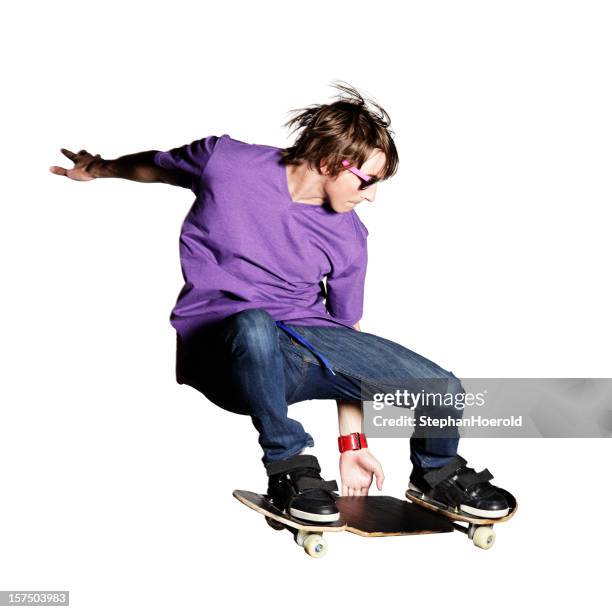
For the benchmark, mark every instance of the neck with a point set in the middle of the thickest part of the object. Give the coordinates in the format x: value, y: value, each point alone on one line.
x: 305, y: 185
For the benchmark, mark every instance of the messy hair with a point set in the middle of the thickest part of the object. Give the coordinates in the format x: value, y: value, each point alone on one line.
x: 349, y: 128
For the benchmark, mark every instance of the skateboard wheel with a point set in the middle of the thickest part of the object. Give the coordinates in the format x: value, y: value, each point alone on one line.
x: 274, y: 524
x: 483, y: 537
x: 315, y: 545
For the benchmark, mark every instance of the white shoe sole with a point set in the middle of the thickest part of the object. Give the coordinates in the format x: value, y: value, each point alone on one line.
x: 477, y: 512
x: 314, y: 518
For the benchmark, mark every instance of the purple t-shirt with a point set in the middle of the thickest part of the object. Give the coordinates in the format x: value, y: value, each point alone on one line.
x: 246, y: 244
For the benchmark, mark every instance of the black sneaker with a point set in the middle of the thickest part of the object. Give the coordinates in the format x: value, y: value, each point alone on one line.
x: 295, y: 486
x: 456, y: 487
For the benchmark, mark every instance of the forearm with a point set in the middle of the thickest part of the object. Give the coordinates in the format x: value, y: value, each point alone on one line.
x: 134, y: 167
x: 350, y: 417
x: 350, y: 414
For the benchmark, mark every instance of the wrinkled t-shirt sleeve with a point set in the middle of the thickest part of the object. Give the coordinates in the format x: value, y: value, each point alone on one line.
x: 188, y: 161
x: 345, y: 289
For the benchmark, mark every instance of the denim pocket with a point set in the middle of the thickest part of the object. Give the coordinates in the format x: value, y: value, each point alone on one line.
x: 289, y: 343
x: 304, y: 352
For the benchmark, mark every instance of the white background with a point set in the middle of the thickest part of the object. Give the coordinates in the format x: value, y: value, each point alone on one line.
x: 489, y: 254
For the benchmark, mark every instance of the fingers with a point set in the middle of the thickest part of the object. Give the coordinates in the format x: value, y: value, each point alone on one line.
x: 355, y: 491
x: 74, y: 157
x: 58, y: 170
x: 344, y: 490
x: 380, y: 478
x: 70, y: 155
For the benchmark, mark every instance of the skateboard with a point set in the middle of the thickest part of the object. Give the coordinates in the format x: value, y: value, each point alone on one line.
x: 479, y: 529
x: 367, y: 516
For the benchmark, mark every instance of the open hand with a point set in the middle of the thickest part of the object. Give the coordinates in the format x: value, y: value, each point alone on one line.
x: 357, y: 468
x: 84, y: 163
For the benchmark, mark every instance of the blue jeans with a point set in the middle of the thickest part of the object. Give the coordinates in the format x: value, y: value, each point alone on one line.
x: 248, y: 365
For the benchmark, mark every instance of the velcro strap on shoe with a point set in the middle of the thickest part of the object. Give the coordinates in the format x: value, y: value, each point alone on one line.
x: 469, y: 479
x: 435, y: 477
x: 306, y: 482
x: 452, y: 496
x: 297, y: 461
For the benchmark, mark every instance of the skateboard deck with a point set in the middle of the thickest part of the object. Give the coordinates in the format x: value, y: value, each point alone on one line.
x: 479, y: 530
x: 366, y: 516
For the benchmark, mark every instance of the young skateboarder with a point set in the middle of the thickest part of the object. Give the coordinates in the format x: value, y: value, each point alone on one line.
x: 258, y: 328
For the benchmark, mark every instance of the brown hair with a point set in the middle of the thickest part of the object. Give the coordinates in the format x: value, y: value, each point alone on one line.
x: 349, y: 128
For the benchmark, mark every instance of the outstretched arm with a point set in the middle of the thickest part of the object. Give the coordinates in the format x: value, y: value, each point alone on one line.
x: 134, y: 167
x: 357, y: 467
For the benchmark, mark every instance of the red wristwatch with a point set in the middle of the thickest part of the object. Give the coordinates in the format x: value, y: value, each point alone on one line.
x: 353, y: 441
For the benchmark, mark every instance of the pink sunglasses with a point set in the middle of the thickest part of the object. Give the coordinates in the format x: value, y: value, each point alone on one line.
x: 366, y: 181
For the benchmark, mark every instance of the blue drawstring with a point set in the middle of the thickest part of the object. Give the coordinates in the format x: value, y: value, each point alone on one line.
x: 307, y: 344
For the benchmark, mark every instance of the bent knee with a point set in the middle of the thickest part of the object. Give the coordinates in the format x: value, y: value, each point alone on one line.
x: 455, y: 385
x: 253, y: 317
x: 255, y: 328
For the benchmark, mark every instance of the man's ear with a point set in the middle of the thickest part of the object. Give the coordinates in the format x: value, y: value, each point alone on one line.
x: 323, y: 169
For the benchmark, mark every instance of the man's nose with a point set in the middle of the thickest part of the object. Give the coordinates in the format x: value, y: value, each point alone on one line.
x: 370, y: 193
